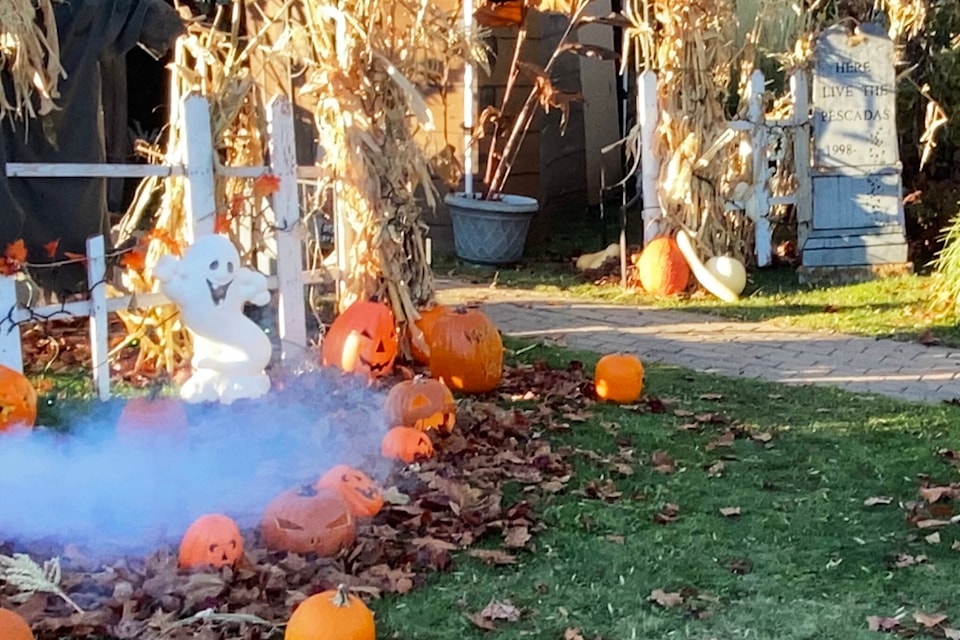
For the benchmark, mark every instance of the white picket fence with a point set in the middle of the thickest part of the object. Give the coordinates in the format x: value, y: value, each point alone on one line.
x: 198, y: 170
x: 760, y: 201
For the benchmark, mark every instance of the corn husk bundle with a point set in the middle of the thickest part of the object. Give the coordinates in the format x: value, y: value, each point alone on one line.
x: 702, y: 159
x: 30, y: 57
x: 361, y: 69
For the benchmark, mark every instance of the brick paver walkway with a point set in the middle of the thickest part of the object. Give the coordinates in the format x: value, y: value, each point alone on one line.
x: 903, y: 370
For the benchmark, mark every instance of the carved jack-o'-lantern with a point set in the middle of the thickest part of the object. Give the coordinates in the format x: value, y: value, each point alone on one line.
x: 421, y: 403
x: 146, y: 418
x: 307, y: 519
x: 18, y: 400
x: 213, y: 539
x: 466, y: 351
x: 361, y: 493
x: 362, y: 339
x: 406, y: 444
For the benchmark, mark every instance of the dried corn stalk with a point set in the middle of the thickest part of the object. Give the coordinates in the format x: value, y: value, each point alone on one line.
x: 30, y: 57
x: 693, y: 59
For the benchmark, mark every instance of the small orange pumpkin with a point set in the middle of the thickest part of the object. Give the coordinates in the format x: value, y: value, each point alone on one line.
x: 331, y: 615
x: 466, y: 351
x: 618, y: 377
x: 360, y: 492
x: 421, y: 403
x: 147, y: 417
x: 307, y: 519
x: 13, y: 626
x: 18, y: 400
x: 662, y: 269
x: 213, y: 539
x: 406, y: 444
x: 428, y: 317
x: 362, y: 339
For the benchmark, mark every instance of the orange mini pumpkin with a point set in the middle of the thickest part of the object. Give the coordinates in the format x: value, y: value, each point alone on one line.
x: 466, y: 351
x: 145, y: 418
x: 406, y: 444
x: 13, y: 626
x: 618, y: 377
x: 331, y: 615
x: 662, y: 269
x: 18, y: 400
x: 307, y: 519
x: 360, y: 492
x: 421, y: 403
x: 362, y: 339
x: 213, y: 539
x: 428, y: 317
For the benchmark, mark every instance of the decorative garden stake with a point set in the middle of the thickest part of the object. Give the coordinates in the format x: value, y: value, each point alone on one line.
x: 229, y: 350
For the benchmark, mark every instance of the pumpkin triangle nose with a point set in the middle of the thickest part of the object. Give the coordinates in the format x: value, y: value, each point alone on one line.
x: 380, y: 347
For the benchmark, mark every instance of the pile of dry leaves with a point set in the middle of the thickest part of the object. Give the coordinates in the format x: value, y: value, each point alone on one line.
x: 436, y: 508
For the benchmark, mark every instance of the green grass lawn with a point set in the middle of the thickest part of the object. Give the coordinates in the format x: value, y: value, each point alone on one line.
x: 898, y: 308
x: 806, y: 559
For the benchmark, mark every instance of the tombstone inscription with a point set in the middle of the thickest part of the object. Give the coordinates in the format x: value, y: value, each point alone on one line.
x: 857, y: 205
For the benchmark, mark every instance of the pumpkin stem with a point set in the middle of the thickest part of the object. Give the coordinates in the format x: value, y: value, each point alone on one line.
x: 342, y: 597
x: 306, y: 491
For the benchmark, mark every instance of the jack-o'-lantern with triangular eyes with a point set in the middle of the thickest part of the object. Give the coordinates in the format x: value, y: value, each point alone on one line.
x: 212, y: 540
x: 307, y: 519
x: 362, y: 339
x: 18, y: 400
x: 422, y: 403
x: 360, y: 492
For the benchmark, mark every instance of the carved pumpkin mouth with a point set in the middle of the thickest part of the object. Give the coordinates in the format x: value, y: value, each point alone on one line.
x: 374, y: 366
x: 218, y: 293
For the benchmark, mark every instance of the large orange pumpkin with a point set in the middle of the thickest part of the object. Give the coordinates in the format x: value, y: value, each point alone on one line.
x: 421, y: 403
x: 466, y: 351
x: 213, y: 539
x: 420, y: 349
x: 360, y: 492
x: 362, y: 339
x: 14, y: 627
x: 18, y: 400
x: 307, y: 519
x: 618, y: 377
x: 662, y: 269
x: 331, y: 615
x: 406, y: 444
x: 146, y: 418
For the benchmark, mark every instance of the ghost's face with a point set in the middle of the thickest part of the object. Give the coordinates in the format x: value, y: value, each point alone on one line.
x: 213, y: 262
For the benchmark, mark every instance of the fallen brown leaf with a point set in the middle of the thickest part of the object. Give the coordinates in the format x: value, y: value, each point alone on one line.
x: 667, y: 514
x: 725, y: 440
x: 929, y: 620
x: 662, y: 462
x: 877, y: 500
x: 729, y: 512
x: 501, y: 610
x: 666, y: 600
x: 878, y: 623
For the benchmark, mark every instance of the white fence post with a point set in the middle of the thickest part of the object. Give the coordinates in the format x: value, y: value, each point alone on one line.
x: 647, y: 117
x: 761, y: 170
x: 288, y: 229
x: 799, y: 87
x: 199, y: 187
x: 99, y: 323
x: 11, y: 354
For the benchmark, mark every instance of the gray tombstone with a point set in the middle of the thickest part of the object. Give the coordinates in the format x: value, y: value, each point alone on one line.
x: 857, y: 205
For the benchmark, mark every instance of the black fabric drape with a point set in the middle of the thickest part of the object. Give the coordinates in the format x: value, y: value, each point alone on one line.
x: 69, y: 210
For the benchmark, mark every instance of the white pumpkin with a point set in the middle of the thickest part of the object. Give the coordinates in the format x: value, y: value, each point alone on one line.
x: 729, y: 271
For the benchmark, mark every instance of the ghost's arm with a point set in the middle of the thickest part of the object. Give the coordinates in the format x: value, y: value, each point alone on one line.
x: 253, y: 287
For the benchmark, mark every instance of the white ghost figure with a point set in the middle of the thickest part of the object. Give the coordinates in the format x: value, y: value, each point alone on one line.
x: 229, y: 350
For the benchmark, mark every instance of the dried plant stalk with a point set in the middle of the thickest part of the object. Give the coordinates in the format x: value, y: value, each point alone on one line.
x: 28, y: 577
x: 30, y: 57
